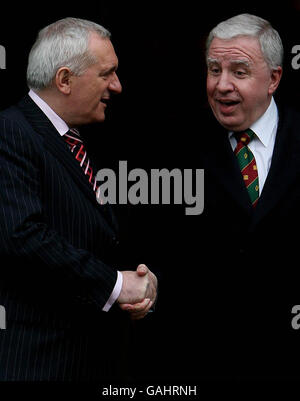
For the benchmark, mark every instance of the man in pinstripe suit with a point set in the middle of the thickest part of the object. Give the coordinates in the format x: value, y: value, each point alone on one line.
x: 67, y: 304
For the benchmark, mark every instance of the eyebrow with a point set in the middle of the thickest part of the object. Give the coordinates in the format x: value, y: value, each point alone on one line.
x: 237, y: 62
x: 242, y: 62
x: 212, y: 60
x: 109, y: 70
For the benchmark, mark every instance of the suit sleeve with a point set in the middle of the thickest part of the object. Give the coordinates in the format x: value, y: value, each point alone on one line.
x: 29, y: 248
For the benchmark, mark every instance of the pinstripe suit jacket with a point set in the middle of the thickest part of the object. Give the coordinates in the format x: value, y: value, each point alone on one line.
x: 57, y: 246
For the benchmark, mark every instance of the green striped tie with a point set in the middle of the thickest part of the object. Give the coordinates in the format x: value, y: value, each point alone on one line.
x: 247, y: 164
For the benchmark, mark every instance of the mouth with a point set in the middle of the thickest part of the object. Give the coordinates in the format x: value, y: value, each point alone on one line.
x: 227, y: 106
x: 105, y: 100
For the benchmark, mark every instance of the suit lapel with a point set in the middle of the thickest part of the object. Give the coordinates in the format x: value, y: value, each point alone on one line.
x: 285, y: 165
x: 221, y: 161
x: 59, y: 149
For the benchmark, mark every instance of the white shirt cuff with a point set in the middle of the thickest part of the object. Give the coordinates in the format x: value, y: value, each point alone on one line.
x: 115, y: 293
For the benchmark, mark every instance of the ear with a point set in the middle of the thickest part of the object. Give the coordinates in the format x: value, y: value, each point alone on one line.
x: 63, y: 80
x: 275, y: 79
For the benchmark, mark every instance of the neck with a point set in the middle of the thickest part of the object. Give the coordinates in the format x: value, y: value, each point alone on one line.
x: 54, y: 100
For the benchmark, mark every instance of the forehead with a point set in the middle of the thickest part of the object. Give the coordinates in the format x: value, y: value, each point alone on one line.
x: 103, y: 49
x: 242, y: 48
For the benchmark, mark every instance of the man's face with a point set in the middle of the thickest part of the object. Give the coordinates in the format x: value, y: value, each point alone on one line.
x: 91, y: 90
x: 239, y: 82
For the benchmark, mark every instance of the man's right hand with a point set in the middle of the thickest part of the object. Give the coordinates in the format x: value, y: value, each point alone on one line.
x: 138, y: 285
x: 139, y: 291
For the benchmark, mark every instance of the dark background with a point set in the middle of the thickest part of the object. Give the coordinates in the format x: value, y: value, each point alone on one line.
x: 154, y: 123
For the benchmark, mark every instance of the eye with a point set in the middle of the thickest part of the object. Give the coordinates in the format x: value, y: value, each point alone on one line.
x: 240, y: 73
x: 214, y: 70
x: 108, y: 73
x: 104, y: 76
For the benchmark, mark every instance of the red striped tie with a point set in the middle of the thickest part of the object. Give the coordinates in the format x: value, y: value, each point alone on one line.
x: 77, y: 148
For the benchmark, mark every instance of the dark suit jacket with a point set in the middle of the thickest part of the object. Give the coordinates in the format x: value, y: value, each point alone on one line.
x: 238, y: 268
x: 57, y: 248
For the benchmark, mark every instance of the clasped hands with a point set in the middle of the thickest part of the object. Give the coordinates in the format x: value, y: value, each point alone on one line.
x: 139, y: 291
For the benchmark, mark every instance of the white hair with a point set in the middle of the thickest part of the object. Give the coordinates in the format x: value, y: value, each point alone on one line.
x: 251, y: 25
x: 61, y: 44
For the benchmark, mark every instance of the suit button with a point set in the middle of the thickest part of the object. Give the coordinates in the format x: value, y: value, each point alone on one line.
x: 115, y: 241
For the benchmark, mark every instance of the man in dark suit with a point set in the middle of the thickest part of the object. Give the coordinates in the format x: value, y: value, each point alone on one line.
x: 67, y: 301
x: 244, y: 247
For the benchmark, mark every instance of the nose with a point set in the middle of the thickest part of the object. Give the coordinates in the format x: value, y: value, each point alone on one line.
x: 115, y: 84
x: 225, y: 83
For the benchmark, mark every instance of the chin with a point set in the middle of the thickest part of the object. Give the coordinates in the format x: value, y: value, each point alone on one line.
x: 231, y: 125
x: 98, y: 118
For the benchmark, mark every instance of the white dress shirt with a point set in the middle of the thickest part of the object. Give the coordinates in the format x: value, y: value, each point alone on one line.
x: 262, y: 145
x: 62, y: 129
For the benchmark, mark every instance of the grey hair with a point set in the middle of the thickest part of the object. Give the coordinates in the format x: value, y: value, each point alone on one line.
x: 251, y: 25
x: 63, y: 43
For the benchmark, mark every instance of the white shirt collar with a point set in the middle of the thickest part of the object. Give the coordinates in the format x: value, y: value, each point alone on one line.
x: 58, y: 123
x: 266, y: 125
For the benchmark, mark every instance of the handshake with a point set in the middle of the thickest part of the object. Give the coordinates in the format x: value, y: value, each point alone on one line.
x: 139, y: 291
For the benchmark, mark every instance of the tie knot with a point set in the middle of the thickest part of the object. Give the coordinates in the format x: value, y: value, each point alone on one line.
x: 245, y: 136
x: 74, y: 131
x: 72, y: 137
